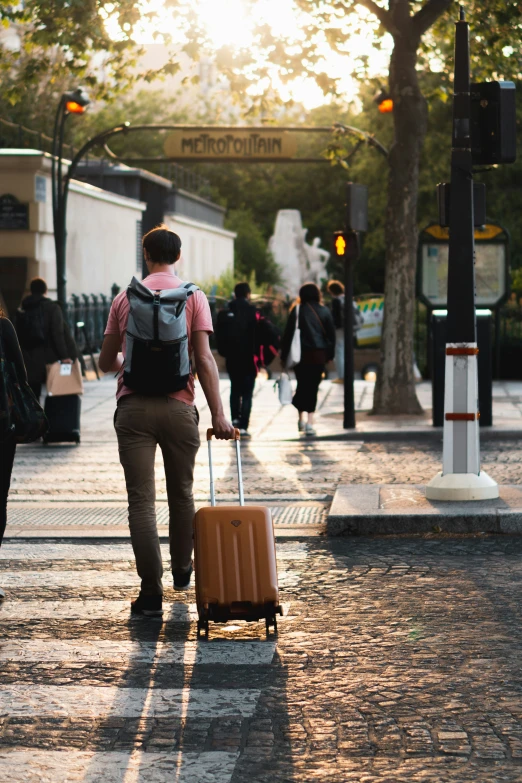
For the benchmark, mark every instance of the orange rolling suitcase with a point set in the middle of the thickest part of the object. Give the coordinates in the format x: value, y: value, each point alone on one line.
x: 235, y: 559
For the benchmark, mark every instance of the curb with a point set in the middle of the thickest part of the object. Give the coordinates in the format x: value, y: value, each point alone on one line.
x: 433, y: 434
x: 393, y: 509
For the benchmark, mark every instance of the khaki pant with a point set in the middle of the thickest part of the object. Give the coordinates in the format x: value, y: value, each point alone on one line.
x: 141, y: 424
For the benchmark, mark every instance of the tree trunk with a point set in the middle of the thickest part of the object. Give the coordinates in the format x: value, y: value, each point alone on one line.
x: 395, y: 388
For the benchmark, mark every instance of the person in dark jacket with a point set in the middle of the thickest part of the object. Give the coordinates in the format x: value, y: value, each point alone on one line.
x: 317, y: 348
x: 13, y: 354
x: 44, y: 336
x: 236, y: 336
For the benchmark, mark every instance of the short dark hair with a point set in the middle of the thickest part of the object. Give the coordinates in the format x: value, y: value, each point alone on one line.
x: 162, y: 245
x: 242, y: 290
x: 38, y: 286
x: 309, y: 292
x: 335, y: 287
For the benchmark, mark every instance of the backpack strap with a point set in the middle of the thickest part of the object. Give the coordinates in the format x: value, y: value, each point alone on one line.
x: 190, y: 288
x: 156, y: 307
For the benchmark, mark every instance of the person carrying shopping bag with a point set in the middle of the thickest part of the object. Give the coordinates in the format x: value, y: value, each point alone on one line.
x: 317, y: 343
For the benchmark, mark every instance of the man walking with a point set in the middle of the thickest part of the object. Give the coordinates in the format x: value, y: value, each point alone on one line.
x: 43, y: 334
x: 236, y: 340
x: 170, y: 419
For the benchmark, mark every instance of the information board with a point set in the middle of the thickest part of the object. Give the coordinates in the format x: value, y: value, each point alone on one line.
x: 491, y: 266
x: 14, y: 216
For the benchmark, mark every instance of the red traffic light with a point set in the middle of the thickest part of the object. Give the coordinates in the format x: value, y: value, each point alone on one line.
x: 386, y: 106
x: 384, y: 102
x: 74, y: 108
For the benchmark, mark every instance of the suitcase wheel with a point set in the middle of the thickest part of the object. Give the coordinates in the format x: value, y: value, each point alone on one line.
x: 203, y: 626
x: 271, y: 621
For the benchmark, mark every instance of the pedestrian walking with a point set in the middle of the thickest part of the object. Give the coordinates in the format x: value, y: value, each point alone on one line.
x: 11, y: 351
x: 43, y: 334
x: 317, y: 334
x: 157, y: 325
x: 237, y: 342
x: 336, y: 290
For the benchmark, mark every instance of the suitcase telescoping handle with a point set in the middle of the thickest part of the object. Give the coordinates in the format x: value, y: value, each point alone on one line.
x: 210, y: 432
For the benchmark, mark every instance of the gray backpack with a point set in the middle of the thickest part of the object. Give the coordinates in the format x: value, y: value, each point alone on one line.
x: 157, y: 356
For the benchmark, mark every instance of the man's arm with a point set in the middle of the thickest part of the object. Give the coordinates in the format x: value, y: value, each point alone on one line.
x: 110, y: 358
x: 209, y: 378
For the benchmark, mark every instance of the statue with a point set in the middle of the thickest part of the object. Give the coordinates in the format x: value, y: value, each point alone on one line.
x: 299, y: 262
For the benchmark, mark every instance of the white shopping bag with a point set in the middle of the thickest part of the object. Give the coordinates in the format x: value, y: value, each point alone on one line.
x: 294, y: 357
x: 285, y: 389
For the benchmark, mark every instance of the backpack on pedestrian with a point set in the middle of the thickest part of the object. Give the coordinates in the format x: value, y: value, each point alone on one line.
x: 157, y: 358
x: 29, y: 324
x: 235, y: 331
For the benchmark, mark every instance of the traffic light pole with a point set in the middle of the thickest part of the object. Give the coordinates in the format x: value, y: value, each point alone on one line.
x: 351, y: 255
x: 461, y: 477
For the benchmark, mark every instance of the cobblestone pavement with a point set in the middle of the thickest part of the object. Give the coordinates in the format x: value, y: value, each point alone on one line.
x: 396, y: 660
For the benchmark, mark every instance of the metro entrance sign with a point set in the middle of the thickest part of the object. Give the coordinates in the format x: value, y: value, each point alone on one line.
x: 231, y: 144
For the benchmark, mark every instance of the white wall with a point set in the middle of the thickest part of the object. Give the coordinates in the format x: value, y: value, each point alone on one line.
x: 101, y: 239
x: 206, y: 252
x: 101, y: 228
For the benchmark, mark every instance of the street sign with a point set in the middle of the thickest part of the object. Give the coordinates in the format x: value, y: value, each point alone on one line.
x: 231, y: 144
x: 491, y: 265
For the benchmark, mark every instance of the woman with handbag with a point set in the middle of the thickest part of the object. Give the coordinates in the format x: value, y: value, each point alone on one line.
x: 315, y: 328
x: 21, y: 417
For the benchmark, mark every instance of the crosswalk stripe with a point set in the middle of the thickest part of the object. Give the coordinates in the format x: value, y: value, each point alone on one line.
x: 86, y: 610
x: 234, y: 653
x: 35, y: 766
x: 95, y: 579
x: 76, y: 570
x: 67, y: 609
x: 103, y: 701
x: 14, y: 550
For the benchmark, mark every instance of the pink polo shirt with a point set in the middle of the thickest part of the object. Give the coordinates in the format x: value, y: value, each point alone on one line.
x: 198, y: 320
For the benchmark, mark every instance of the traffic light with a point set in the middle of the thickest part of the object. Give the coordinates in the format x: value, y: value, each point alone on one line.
x: 384, y: 102
x: 493, y: 123
x: 76, y: 101
x: 340, y: 244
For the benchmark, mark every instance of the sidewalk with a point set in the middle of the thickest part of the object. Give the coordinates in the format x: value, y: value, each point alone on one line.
x: 78, y: 491
x: 507, y: 413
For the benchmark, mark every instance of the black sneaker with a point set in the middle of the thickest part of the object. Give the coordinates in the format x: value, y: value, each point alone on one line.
x: 182, y: 578
x: 148, y: 605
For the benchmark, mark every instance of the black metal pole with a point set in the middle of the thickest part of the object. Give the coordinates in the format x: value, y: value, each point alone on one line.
x: 461, y: 325
x: 60, y: 236
x: 351, y: 254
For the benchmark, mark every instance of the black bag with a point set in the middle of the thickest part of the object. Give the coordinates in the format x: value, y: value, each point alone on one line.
x: 21, y: 414
x: 268, y: 339
x: 63, y: 413
x: 235, y: 329
x: 30, y: 327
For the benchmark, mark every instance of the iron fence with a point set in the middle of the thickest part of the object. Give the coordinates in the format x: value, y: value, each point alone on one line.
x: 87, y: 317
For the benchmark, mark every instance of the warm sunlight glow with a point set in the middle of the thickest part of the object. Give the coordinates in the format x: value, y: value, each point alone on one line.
x: 233, y: 23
